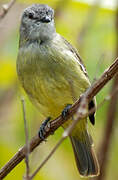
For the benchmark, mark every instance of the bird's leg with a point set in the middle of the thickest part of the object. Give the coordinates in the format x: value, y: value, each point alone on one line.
x: 41, y: 132
x: 66, y: 109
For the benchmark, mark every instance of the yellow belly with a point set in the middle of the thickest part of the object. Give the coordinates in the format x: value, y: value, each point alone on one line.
x: 51, y: 83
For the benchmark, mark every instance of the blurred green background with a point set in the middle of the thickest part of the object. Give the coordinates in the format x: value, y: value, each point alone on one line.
x: 92, y: 31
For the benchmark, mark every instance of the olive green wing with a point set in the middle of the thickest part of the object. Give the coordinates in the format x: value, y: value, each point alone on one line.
x: 92, y: 103
x: 75, y: 52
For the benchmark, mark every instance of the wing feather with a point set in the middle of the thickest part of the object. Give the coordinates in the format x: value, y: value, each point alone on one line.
x: 92, y: 103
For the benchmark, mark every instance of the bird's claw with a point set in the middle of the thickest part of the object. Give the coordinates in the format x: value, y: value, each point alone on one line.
x: 65, y: 111
x: 41, y: 132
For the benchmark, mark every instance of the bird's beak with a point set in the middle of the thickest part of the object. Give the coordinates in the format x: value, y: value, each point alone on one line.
x: 46, y: 19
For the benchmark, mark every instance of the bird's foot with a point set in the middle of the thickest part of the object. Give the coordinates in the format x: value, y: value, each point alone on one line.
x: 41, y: 132
x: 66, y: 109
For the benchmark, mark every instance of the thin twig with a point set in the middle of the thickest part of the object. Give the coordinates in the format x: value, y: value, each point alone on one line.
x: 55, y: 124
x: 65, y: 134
x: 47, y: 158
x: 26, y: 140
x: 103, y: 151
x: 81, y: 114
x: 104, y: 148
x: 6, y: 8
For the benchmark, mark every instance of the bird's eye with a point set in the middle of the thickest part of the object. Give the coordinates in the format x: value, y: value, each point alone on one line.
x: 31, y: 15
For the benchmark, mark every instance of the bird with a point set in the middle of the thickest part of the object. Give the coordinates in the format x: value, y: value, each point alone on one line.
x: 53, y: 75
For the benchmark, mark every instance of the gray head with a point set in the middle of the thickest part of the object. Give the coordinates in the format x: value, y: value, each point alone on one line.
x: 37, y: 23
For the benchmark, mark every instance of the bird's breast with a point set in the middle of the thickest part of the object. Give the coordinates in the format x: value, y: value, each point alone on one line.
x: 50, y: 77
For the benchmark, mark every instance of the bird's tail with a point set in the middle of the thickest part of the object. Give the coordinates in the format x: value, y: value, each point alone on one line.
x: 84, y: 154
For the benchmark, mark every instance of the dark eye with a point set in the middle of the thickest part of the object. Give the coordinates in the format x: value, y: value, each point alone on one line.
x: 31, y: 15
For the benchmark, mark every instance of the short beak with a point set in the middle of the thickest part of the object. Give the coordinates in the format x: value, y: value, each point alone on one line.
x: 46, y: 19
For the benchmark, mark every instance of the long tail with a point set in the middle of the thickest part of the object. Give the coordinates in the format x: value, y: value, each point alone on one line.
x: 84, y: 154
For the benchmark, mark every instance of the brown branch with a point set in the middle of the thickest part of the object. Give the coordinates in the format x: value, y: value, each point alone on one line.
x: 108, y: 132
x: 110, y: 121
x: 55, y: 124
x: 47, y: 158
x: 82, y: 113
x: 6, y: 8
x: 26, y: 140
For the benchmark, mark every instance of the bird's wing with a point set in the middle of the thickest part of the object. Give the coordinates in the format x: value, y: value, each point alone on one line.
x: 75, y: 52
x: 92, y: 103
